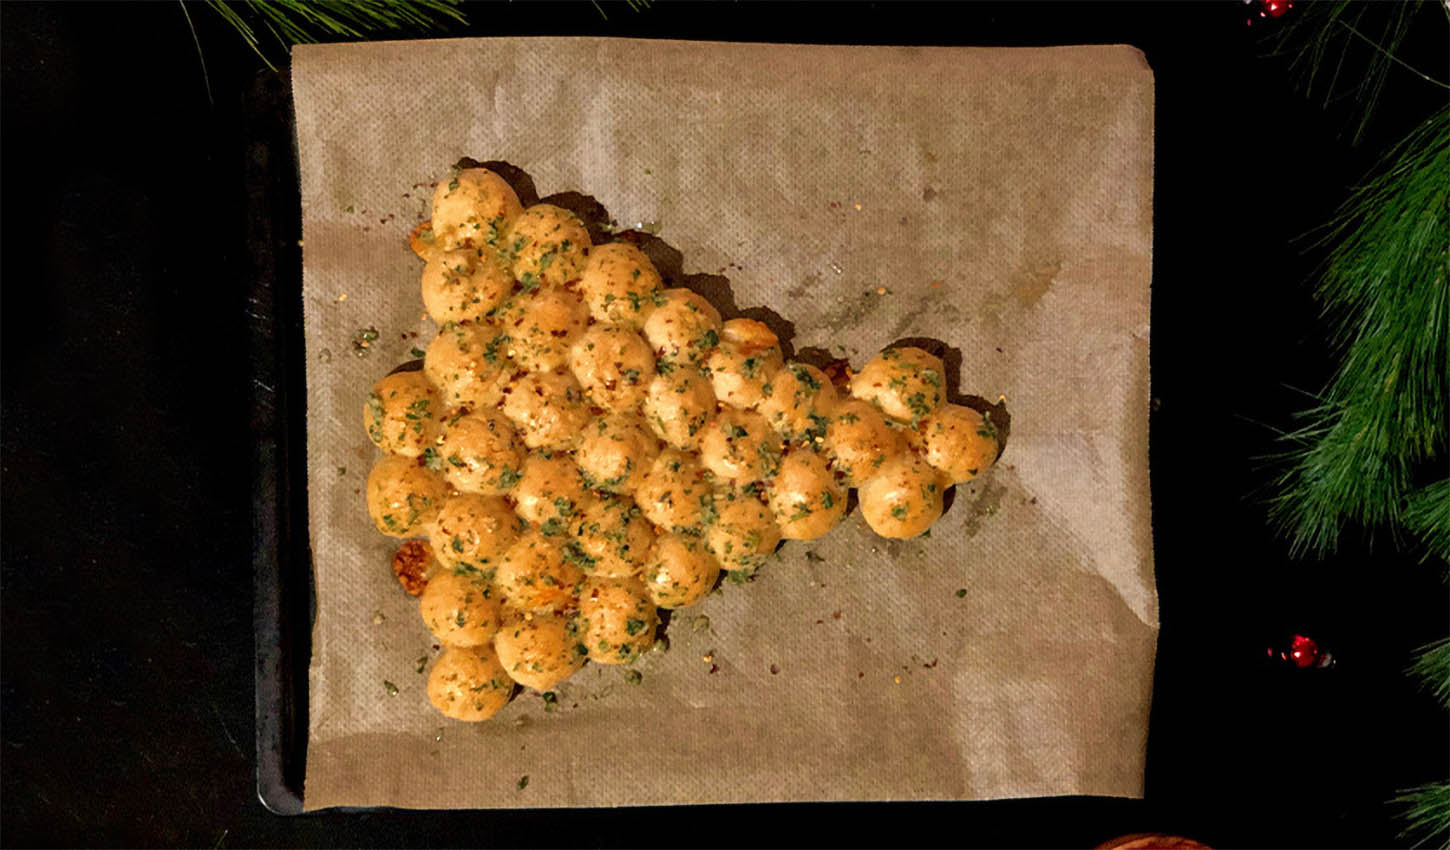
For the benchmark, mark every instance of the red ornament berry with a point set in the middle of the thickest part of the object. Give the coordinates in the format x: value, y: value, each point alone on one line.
x: 1303, y: 651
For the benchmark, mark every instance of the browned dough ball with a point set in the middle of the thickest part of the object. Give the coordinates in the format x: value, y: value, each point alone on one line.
x: 459, y: 610
x: 465, y: 285
x: 472, y: 208
x: 469, y: 683
x: 958, y: 441
x: 548, y: 408
x: 612, y: 539
x: 620, y: 284
x: 680, y: 572
x: 469, y: 364
x: 614, y: 365
x: 403, y: 497
x: 739, y: 446
x: 472, y: 533
x: 684, y: 327
x: 797, y: 402
x: 401, y: 414
x: 903, y: 498
x: 539, y: 650
x: 541, y: 326
x: 549, y: 246
x: 481, y: 453
x: 747, y: 358
x: 673, y: 492
x: 678, y: 404
x: 805, y: 498
x: 859, y: 441
x: 743, y: 533
x: 550, y: 488
x: 906, y: 383
x: 616, y: 619
x: 533, y: 574
x: 614, y: 452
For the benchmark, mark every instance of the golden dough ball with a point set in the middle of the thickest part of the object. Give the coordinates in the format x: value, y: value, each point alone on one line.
x: 465, y: 285
x: 548, y: 409
x: 958, y: 441
x: 472, y: 533
x: 616, y: 620
x: 680, y: 572
x: 903, y: 498
x: 906, y: 383
x: 797, y: 402
x: 743, y: 533
x: 541, y: 326
x: 683, y: 327
x: 620, y: 284
x: 858, y: 441
x: 739, y: 446
x: 539, y: 650
x: 615, y: 451
x: 403, y: 496
x: 459, y: 610
x: 550, y: 489
x: 481, y: 453
x: 612, y: 539
x: 747, y: 358
x: 469, y: 683
x: 678, y: 403
x: 401, y: 413
x: 549, y: 246
x: 469, y: 364
x: 533, y: 574
x: 614, y: 365
x: 673, y: 492
x: 805, y: 498
x: 472, y: 208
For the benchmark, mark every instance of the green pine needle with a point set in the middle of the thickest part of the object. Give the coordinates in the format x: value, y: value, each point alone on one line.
x: 1432, y: 668
x: 1385, y: 288
x: 1427, y: 812
x: 1427, y: 516
x: 292, y: 22
x: 1346, y: 49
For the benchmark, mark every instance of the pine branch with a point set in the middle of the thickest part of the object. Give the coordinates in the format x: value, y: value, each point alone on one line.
x: 1427, y: 809
x: 1346, y: 30
x: 1432, y: 668
x: 1385, y: 287
x: 293, y: 22
x: 1428, y: 517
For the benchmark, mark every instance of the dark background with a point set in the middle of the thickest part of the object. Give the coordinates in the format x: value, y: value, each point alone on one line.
x: 131, y: 249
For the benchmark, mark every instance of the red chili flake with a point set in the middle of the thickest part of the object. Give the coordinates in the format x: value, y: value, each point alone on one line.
x: 714, y: 668
x: 835, y: 615
x: 931, y: 665
x: 774, y: 669
x: 820, y: 622
x: 860, y: 675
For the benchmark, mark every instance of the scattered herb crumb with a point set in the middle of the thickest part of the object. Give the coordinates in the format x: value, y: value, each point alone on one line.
x: 417, y: 352
x: 523, y: 782
x: 392, y: 688
x: 961, y: 592
x: 342, y: 470
x: 422, y: 663
x: 634, y: 677
x: 814, y: 558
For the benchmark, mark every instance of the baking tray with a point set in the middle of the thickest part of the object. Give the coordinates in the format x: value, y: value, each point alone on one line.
x: 284, y: 604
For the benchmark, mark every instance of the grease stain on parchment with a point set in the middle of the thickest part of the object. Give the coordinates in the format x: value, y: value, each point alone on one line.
x: 983, y: 503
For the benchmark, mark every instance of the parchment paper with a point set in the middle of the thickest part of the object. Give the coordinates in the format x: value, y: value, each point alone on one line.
x: 1001, y: 201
